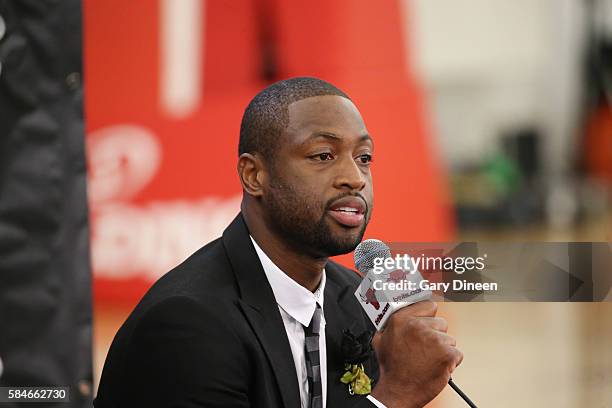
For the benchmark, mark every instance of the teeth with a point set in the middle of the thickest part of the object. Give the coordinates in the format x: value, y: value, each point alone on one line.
x: 347, y: 209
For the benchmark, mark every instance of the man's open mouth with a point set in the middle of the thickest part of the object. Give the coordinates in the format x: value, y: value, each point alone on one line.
x: 348, y: 211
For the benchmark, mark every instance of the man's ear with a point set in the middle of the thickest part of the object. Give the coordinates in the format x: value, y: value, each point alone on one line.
x: 252, y: 173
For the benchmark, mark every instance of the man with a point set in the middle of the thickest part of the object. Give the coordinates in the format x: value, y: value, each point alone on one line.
x: 239, y: 323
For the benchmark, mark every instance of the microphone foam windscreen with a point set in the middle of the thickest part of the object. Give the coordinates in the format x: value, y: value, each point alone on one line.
x: 367, y: 251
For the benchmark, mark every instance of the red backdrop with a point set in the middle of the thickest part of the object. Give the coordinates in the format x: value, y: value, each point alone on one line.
x: 166, y: 84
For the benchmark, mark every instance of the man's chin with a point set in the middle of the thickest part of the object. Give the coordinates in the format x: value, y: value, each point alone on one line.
x: 343, y: 242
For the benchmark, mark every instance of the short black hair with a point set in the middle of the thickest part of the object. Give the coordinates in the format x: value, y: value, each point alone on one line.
x: 267, y: 115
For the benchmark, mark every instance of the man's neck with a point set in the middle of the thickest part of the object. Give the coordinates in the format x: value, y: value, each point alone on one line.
x: 302, y: 268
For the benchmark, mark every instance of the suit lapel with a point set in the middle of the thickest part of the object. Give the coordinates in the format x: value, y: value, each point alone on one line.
x: 341, y: 312
x: 261, y: 310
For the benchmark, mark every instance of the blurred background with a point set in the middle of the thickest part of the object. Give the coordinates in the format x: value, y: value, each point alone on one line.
x: 492, y: 121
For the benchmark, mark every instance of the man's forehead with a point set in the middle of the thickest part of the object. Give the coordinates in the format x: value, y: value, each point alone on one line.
x: 327, y: 111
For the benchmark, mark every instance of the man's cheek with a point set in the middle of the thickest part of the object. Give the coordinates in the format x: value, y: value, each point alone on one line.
x: 368, y: 195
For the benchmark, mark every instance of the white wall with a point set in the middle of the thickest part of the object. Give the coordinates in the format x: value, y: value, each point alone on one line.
x: 490, y: 65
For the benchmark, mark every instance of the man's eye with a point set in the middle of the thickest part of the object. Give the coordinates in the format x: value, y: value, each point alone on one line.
x: 324, y: 156
x: 365, y: 158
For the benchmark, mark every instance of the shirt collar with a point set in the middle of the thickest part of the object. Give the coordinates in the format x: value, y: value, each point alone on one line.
x: 296, y: 300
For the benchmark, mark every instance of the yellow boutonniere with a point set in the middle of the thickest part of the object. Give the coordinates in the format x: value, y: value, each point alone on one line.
x: 357, y: 380
x: 356, y: 350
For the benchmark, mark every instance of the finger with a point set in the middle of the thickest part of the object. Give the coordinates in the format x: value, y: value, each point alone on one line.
x: 376, y: 341
x: 426, y: 308
x: 446, y: 340
x: 437, y: 323
x: 457, y: 357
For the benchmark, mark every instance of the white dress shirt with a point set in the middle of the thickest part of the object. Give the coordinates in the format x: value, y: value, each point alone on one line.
x: 297, y: 306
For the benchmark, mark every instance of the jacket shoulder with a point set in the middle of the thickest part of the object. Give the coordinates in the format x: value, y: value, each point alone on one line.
x: 188, y: 306
x: 342, y: 275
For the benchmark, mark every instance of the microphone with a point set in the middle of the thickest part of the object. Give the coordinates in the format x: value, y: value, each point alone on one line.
x: 384, y: 291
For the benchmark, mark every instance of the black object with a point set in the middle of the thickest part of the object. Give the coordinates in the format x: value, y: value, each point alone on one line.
x: 461, y: 393
x: 45, y: 277
x: 523, y: 147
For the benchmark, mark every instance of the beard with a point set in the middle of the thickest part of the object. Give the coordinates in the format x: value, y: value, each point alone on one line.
x: 302, y: 221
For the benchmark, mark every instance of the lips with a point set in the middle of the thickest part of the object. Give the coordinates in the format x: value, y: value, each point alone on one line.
x: 348, y: 211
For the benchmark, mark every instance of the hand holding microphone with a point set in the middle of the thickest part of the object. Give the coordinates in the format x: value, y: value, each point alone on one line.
x: 416, y: 356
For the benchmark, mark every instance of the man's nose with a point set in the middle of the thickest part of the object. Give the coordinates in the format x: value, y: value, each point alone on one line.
x: 350, y: 175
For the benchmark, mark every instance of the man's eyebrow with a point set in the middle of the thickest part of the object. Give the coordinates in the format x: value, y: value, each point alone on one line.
x: 334, y: 137
x: 326, y: 135
x: 365, y: 137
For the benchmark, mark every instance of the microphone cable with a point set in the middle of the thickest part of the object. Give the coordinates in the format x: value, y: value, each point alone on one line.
x: 461, y: 393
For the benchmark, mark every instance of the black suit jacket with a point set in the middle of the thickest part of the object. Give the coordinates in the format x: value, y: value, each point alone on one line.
x: 209, y: 334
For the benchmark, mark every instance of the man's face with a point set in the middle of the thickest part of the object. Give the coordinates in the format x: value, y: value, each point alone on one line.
x: 320, y: 197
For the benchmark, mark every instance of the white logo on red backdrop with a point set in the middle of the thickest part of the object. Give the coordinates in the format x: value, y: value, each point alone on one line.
x: 130, y: 239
